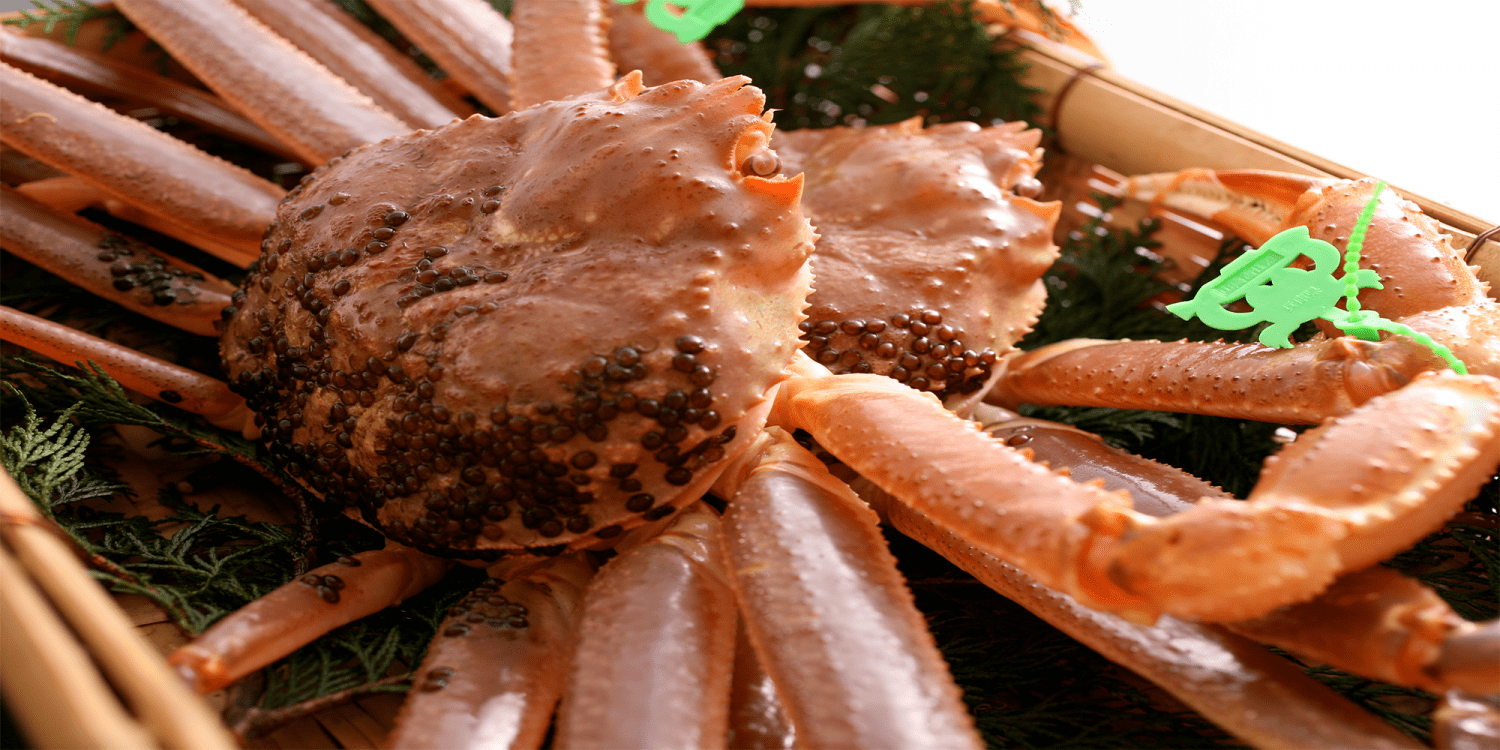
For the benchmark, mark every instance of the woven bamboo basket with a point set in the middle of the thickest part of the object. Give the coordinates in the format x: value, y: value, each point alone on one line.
x: 84, y: 669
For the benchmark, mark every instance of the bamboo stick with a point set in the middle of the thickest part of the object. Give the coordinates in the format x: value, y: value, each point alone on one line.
x: 164, y: 704
x: 50, y: 682
x: 1133, y: 129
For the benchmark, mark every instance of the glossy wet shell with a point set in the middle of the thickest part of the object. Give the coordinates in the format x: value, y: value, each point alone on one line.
x: 930, y: 256
x: 529, y: 331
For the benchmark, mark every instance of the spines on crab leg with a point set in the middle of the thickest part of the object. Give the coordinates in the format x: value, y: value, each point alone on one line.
x: 355, y: 53
x: 144, y: 374
x: 1316, y: 512
x: 494, y: 673
x: 1344, y: 496
x: 1302, y: 385
x: 655, y: 645
x: 198, y: 198
x: 561, y: 50
x: 298, y: 612
x: 280, y: 88
x: 98, y: 74
x: 469, y: 39
x: 136, y: 277
x: 829, y: 614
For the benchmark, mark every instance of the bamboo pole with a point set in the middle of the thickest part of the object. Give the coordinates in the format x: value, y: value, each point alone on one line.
x: 168, y: 710
x: 51, y: 684
x: 1106, y: 118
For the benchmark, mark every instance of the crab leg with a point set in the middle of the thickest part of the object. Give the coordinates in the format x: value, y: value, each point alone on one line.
x: 830, y: 617
x: 655, y: 645
x: 1255, y: 695
x: 561, y: 50
x: 636, y: 44
x: 298, y: 612
x: 1314, y: 514
x: 197, y: 198
x: 469, y: 40
x: 494, y: 673
x: 137, y: 278
x: 161, y: 380
x: 98, y: 74
x: 757, y: 717
x: 1373, y: 622
x: 314, y: 112
x: 1426, y: 286
x: 356, y: 54
x: 1379, y: 624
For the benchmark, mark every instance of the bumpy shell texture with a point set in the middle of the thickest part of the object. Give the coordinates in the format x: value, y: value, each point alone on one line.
x: 528, y: 331
x: 929, y: 262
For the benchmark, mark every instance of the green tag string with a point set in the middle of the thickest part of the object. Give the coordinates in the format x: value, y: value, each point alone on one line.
x: 695, y: 19
x: 1288, y: 297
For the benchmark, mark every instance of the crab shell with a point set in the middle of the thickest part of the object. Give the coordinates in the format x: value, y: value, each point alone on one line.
x: 528, y: 331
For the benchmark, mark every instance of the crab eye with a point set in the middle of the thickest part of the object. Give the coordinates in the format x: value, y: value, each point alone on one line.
x: 761, y: 164
x: 1028, y: 187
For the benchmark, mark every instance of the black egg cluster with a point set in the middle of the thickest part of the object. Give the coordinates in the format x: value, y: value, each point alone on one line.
x: 483, y: 608
x: 927, y: 354
x: 543, y: 453
x: 134, y: 268
x: 327, y: 586
x: 465, y: 471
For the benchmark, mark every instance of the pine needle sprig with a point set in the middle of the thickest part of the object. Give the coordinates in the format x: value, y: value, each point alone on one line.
x: 45, y: 460
x: 71, y: 15
x: 831, y: 66
x: 100, y: 400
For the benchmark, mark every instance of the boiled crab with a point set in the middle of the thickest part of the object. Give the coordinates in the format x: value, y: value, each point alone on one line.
x: 1067, y: 544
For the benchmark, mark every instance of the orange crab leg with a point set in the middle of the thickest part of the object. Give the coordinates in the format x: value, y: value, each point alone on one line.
x: 201, y: 199
x: 1427, y: 286
x: 636, y: 44
x: 1372, y: 622
x: 298, y: 612
x: 314, y: 112
x: 1315, y: 513
x: 830, y: 617
x: 75, y: 250
x: 1390, y: 628
x: 561, y: 50
x: 153, y: 377
x: 355, y: 53
x: 494, y: 673
x: 469, y: 39
x: 1255, y: 695
x: 100, y: 75
x: 655, y: 645
x: 1302, y: 385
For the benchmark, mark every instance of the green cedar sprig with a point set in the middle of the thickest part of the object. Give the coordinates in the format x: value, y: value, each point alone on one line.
x: 71, y: 15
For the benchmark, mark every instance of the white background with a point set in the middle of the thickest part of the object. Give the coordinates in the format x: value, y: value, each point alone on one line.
x: 1406, y: 90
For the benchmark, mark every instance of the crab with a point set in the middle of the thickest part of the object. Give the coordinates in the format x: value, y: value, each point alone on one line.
x: 366, y: 391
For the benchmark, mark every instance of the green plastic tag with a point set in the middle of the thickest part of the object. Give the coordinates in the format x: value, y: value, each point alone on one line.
x: 695, y: 19
x: 1288, y: 297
